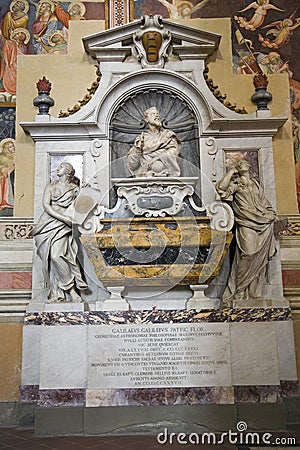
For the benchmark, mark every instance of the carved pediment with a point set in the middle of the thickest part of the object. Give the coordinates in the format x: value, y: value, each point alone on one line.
x: 151, y: 41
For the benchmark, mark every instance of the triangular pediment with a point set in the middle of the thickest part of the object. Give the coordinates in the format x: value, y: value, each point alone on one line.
x: 183, y: 41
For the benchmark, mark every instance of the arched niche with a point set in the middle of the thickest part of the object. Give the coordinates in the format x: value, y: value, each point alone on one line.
x: 127, y: 122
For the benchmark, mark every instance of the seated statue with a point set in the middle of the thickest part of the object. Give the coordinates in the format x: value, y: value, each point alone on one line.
x: 255, y: 242
x: 155, y: 152
x: 55, y: 241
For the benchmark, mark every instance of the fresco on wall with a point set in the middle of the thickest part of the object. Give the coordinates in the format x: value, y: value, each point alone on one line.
x: 7, y: 120
x: 265, y: 38
x: 7, y: 158
x: 29, y: 27
x: 32, y: 27
x: 7, y: 170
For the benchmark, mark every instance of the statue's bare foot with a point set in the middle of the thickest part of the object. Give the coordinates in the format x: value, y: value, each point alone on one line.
x: 239, y: 296
x: 72, y: 296
x: 227, y: 304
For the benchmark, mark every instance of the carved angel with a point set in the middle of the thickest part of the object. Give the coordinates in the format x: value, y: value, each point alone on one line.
x: 261, y: 7
x: 282, y: 33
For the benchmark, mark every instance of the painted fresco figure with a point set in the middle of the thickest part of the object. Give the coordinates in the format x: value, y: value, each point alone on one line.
x: 7, y: 167
x: 45, y: 23
x: 155, y: 152
x: 16, y: 17
x: 255, y: 242
x: 182, y: 9
x: 272, y: 63
x: 76, y: 11
x: 54, y: 238
x: 58, y: 41
x: 282, y: 32
x: 11, y: 49
x: 261, y: 8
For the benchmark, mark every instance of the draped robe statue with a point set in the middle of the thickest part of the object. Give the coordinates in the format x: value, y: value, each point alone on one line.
x: 255, y: 242
x: 55, y: 241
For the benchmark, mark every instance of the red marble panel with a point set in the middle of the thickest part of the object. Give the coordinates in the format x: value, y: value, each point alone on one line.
x: 6, y: 280
x: 15, y: 280
x: 291, y: 277
x: 22, y: 280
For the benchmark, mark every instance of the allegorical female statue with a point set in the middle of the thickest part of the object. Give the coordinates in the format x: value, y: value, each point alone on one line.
x: 55, y: 240
x: 255, y: 243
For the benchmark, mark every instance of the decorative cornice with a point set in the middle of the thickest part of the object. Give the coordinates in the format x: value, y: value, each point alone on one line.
x: 116, y: 43
x: 15, y: 228
x: 86, y: 98
x: 221, y: 97
x: 17, y: 231
x: 293, y: 229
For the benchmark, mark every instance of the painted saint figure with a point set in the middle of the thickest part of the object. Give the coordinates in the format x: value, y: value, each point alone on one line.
x: 255, y: 243
x: 7, y: 167
x: 16, y: 17
x: 54, y: 238
x: 272, y: 63
x: 45, y: 23
x: 58, y: 41
x: 11, y: 49
x: 76, y: 11
x: 155, y: 152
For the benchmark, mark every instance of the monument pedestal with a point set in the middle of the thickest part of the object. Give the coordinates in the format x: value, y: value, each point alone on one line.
x: 200, y: 301
x: 64, y: 307
x: 148, y: 297
x: 115, y: 302
x: 206, y: 369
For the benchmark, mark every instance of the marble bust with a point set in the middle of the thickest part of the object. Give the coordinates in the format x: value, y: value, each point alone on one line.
x: 155, y: 152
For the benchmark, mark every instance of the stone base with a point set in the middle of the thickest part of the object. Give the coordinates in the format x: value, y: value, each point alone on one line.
x: 232, y: 372
x: 64, y: 307
x: 50, y: 362
x: 153, y: 420
x: 115, y: 302
x: 8, y: 414
x: 261, y: 303
x: 199, y: 299
x: 292, y: 406
x: 56, y: 307
x: 147, y: 298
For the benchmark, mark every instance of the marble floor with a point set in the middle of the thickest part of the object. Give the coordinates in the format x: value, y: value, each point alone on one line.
x: 24, y: 439
x: 16, y: 439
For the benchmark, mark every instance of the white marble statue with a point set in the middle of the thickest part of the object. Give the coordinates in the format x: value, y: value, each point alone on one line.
x: 255, y: 243
x: 155, y: 152
x: 55, y: 241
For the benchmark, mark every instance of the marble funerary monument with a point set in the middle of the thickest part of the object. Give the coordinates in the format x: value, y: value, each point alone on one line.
x: 139, y: 307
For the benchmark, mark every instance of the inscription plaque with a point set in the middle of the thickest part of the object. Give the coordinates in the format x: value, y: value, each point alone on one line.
x: 162, y: 355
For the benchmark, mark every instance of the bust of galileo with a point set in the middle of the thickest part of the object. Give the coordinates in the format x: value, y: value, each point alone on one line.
x: 155, y: 152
